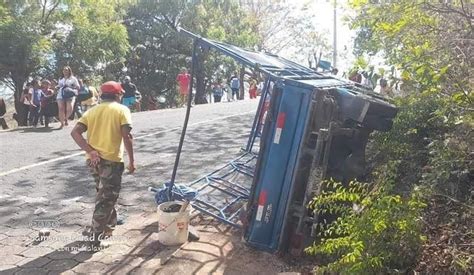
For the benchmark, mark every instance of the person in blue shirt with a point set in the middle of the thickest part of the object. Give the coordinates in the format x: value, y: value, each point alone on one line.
x: 35, y: 106
x: 217, y: 92
x: 234, y: 83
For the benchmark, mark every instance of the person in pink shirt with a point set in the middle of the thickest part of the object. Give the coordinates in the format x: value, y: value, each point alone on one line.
x: 183, y: 80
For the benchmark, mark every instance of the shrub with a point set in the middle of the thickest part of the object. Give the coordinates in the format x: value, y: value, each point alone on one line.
x: 375, y: 232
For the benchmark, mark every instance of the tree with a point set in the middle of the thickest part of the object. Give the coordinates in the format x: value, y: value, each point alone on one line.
x: 223, y: 21
x: 26, y: 28
x: 38, y: 36
x: 428, y: 42
x: 92, y: 37
x: 159, y: 51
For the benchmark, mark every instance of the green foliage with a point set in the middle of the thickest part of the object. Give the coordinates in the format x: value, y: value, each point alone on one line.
x: 431, y: 139
x: 430, y: 145
x: 425, y: 40
x: 25, y: 40
x: 432, y: 136
x: 92, y: 38
x: 374, y: 232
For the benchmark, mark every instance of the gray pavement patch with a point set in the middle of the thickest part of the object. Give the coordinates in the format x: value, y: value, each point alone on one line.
x: 61, y: 265
x: 10, y: 260
x: 90, y: 267
x: 33, y: 263
x: 30, y: 271
x: 36, y: 252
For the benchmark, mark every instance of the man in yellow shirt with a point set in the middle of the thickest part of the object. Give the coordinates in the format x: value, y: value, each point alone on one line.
x: 107, y: 125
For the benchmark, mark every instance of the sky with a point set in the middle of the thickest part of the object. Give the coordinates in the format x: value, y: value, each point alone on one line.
x: 323, y: 12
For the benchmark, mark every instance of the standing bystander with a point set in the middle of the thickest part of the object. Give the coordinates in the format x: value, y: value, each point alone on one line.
x: 108, y: 127
x: 385, y: 89
x: 67, y: 92
x: 234, y: 83
x: 217, y: 92
x: 47, y: 108
x: 35, y: 106
x: 129, y: 98
x: 183, y: 79
x: 92, y: 100
x: 253, y: 89
x: 3, y: 111
x: 25, y: 100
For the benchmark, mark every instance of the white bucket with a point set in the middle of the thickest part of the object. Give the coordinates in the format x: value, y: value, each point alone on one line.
x: 172, y: 226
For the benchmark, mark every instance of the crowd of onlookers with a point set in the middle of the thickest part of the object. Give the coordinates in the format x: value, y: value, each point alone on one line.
x: 230, y: 89
x: 220, y: 89
x: 47, y: 100
x: 44, y: 100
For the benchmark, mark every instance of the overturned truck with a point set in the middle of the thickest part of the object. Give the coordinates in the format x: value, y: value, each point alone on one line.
x: 317, y: 128
x: 308, y: 127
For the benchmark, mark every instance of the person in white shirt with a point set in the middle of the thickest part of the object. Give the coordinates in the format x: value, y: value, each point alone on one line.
x: 68, y: 90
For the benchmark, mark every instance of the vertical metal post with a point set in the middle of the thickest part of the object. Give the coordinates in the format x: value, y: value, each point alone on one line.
x: 186, y: 119
x: 258, y: 116
x: 334, y: 45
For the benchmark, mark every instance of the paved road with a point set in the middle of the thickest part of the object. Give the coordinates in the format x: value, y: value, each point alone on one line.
x: 43, y: 169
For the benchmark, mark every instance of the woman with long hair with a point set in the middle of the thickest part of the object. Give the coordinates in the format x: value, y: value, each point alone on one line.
x: 68, y: 90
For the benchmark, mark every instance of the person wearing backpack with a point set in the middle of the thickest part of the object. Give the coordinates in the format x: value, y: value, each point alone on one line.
x: 92, y: 96
x: 234, y: 83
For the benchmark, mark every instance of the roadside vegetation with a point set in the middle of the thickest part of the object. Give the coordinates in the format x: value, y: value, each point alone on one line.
x: 415, y: 211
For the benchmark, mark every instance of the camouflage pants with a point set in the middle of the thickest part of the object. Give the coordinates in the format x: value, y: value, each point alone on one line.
x: 108, y: 180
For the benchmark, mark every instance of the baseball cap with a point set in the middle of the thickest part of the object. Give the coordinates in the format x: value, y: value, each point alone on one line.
x: 111, y: 87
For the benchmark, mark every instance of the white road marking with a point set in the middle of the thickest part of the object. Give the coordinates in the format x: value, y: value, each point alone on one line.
x: 140, y: 137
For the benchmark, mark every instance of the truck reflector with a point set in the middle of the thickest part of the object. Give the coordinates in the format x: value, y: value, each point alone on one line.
x: 279, y: 127
x: 262, y: 199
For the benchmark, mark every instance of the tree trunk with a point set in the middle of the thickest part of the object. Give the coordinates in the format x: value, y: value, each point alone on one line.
x: 200, y: 77
x: 19, y: 108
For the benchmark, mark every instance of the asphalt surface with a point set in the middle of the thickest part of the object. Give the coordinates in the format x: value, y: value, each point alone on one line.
x: 42, y: 171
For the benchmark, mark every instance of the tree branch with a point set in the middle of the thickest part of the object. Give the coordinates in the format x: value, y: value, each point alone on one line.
x: 9, y: 83
x: 56, y: 4
x: 446, y: 9
x: 43, y: 8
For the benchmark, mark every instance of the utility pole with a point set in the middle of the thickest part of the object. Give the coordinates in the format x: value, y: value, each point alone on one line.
x: 334, y: 42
